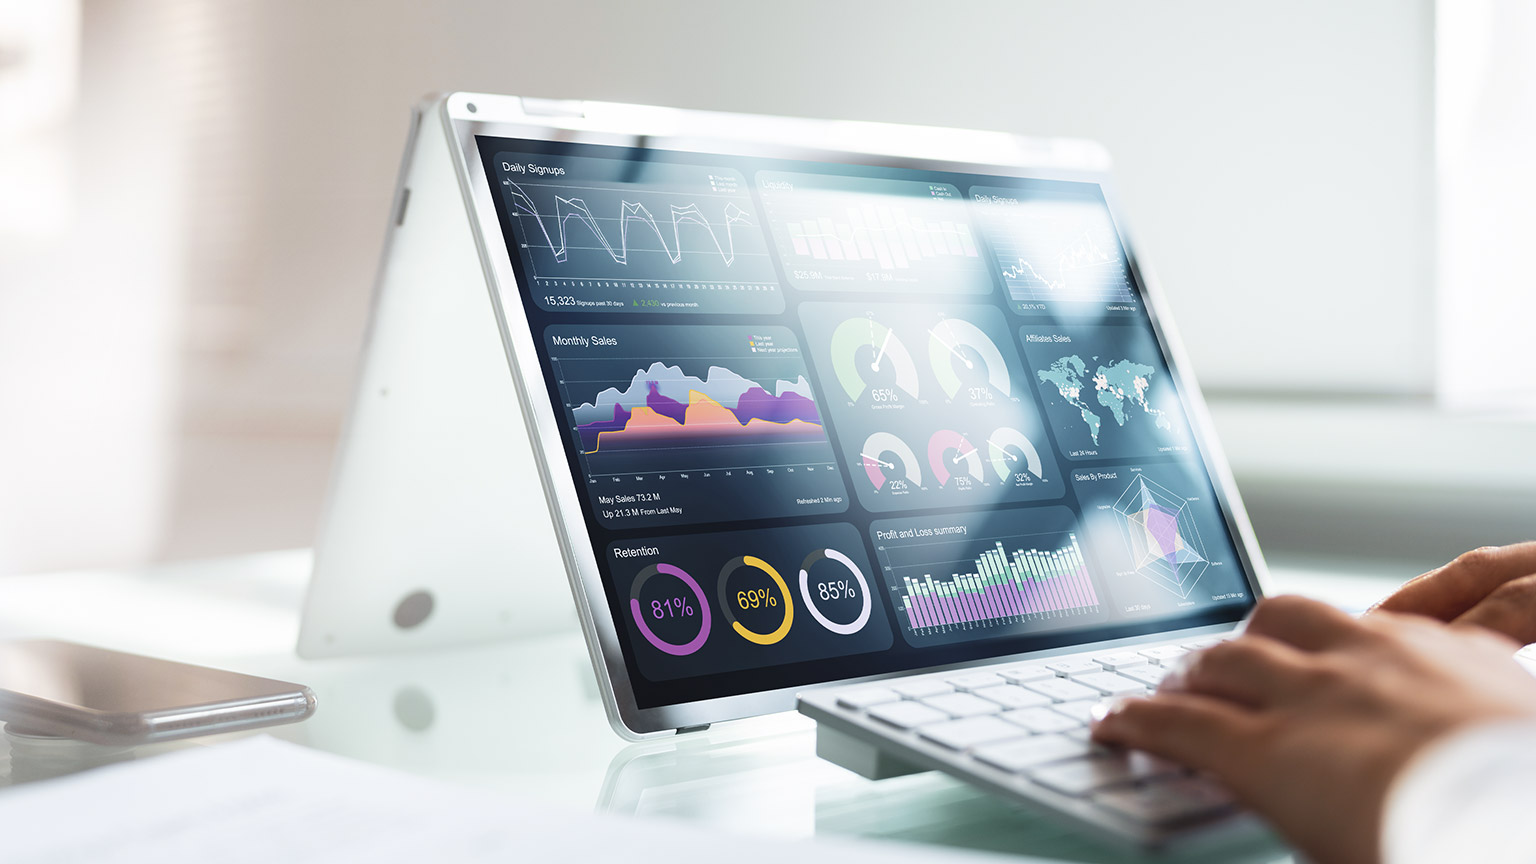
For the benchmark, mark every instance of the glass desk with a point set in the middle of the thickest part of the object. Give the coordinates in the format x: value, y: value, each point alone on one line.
x: 524, y: 717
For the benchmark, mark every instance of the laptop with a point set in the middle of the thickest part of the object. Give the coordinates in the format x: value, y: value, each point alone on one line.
x: 887, y: 424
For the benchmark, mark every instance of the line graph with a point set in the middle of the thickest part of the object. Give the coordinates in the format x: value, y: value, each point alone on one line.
x: 1054, y: 248
x: 609, y: 235
x: 1079, y: 255
x: 629, y: 212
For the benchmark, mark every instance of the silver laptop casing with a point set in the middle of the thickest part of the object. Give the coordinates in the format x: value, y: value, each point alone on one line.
x: 459, y: 118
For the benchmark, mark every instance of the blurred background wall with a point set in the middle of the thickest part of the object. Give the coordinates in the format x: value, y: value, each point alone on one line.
x: 193, y: 193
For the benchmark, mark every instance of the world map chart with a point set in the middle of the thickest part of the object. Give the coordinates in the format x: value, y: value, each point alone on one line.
x: 1121, y: 387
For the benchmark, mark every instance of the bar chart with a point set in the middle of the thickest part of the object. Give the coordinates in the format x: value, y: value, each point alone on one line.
x: 961, y: 581
x: 1002, y: 584
x: 889, y: 236
x: 838, y: 233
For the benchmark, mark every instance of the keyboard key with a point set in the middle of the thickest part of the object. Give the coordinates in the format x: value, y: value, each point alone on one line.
x: 1151, y: 676
x: 962, y: 704
x: 976, y: 681
x: 1081, y: 710
x: 1025, y: 674
x: 866, y: 697
x: 1062, y: 690
x: 1009, y: 696
x: 1075, y: 666
x: 1167, y: 802
x: 1113, y: 662
x: 907, y: 715
x: 1031, y: 751
x: 1082, y: 776
x: 1041, y: 720
x: 1110, y: 684
x: 1164, y: 653
x: 968, y: 733
x: 923, y: 688
x: 1204, y: 643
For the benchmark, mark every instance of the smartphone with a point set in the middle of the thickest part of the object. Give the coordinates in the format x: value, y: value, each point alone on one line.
x: 92, y: 694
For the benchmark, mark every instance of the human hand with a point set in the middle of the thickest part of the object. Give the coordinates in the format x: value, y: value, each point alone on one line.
x: 1310, y: 715
x: 1492, y: 587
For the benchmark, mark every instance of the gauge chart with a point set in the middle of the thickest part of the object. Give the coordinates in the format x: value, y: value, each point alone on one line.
x: 710, y: 603
x: 985, y: 575
x: 954, y: 460
x: 964, y: 358
x: 613, y: 235
x: 890, y: 464
x: 1013, y: 456
x: 674, y: 425
x: 927, y: 399
x: 870, y: 360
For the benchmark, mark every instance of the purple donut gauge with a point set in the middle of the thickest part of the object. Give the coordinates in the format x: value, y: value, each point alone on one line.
x: 691, y: 645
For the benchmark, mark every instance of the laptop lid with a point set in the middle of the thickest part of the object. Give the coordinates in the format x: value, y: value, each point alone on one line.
x: 817, y: 401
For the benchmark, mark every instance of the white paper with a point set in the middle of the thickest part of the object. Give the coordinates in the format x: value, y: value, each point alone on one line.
x: 267, y: 801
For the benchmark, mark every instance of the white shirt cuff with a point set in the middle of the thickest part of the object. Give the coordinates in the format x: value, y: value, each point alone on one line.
x: 1468, y: 797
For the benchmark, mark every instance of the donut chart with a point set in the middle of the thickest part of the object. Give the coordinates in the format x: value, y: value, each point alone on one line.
x: 671, y: 607
x: 838, y: 589
x: 755, y: 598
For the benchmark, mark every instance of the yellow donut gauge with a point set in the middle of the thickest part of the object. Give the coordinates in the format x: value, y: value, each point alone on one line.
x: 755, y: 598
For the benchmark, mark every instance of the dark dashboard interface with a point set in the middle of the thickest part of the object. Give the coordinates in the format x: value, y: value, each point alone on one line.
x: 830, y: 420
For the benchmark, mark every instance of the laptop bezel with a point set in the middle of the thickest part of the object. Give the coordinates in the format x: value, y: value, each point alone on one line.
x: 468, y: 115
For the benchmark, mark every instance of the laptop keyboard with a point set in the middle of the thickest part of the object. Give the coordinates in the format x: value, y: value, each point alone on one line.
x: 1022, y: 730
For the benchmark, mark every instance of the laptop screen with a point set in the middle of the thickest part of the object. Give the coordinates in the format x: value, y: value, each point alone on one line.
x: 829, y: 420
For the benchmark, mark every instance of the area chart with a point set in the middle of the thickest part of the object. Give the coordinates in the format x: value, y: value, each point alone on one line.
x: 686, y: 424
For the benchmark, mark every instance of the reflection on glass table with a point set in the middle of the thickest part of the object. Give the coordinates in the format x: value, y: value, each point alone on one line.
x: 768, y: 782
x: 524, y: 716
